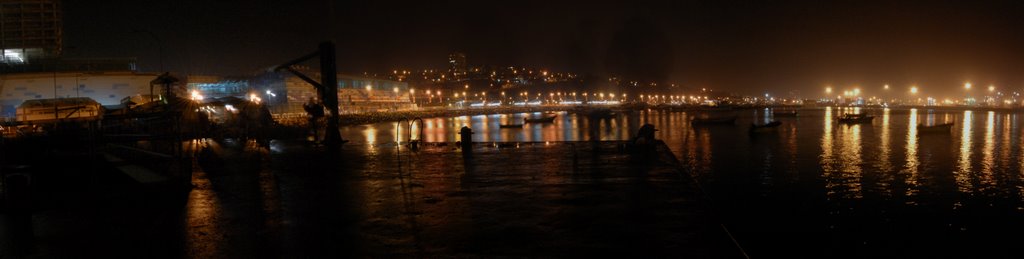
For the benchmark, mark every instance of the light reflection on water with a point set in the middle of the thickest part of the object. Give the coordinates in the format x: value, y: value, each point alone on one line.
x: 988, y: 160
x: 963, y: 173
x: 886, y: 158
x: 912, y: 162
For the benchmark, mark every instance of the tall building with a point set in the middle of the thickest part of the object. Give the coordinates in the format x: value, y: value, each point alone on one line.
x: 457, y: 65
x: 30, y: 30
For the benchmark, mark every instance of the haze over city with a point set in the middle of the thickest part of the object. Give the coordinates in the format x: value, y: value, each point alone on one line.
x: 485, y: 129
x: 738, y: 46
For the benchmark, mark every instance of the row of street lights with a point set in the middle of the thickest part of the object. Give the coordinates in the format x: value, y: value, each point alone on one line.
x: 913, y: 90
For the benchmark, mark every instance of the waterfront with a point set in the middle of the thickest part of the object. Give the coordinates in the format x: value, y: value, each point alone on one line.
x: 836, y: 190
x: 832, y: 188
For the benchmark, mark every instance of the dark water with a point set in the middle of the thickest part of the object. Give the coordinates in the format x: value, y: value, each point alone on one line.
x: 814, y: 186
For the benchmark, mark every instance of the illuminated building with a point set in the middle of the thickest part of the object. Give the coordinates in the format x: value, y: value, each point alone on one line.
x: 30, y: 30
x: 286, y: 93
x: 457, y: 67
x: 106, y: 88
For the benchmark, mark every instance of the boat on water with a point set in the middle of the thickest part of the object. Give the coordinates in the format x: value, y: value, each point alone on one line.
x: 601, y: 113
x: 784, y: 113
x: 540, y: 120
x: 714, y: 121
x: 854, y: 118
x: 937, y: 128
x: 505, y: 126
x: 765, y: 127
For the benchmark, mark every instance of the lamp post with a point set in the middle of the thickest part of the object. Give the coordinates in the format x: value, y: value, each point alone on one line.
x: 967, y: 89
x: 913, y: 91
x: 412, y: 94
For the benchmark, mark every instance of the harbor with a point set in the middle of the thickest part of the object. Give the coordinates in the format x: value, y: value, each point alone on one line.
x: 563, y: 199
x: 479, y: 129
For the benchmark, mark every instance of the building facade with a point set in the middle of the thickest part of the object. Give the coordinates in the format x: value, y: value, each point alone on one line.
x: 106, y: 88
x: 287, y: 93
x: 30, y: 30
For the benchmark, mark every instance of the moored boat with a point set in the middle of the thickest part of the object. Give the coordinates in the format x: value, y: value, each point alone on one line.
x: 937, y: 128
x: 853, y: 118
x: 510, y: 126
x: 765, y: 127
x: 540, y: 120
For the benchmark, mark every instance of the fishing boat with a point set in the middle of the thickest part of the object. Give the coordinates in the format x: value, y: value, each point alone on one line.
x: 937, y: 128
x: 540, y: 120
x: 853, y: 118
x: 714, y: 121
x: 765, y: 127
x: 504, y: 126
x: 784, y: 113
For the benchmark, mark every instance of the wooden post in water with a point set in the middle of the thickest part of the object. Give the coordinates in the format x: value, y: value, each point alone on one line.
x: 329, y: 83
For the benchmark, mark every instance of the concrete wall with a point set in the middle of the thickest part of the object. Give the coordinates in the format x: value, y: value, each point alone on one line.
x: 105, y: 88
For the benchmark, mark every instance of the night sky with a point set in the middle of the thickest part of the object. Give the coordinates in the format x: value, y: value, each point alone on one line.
x: 742, y: 46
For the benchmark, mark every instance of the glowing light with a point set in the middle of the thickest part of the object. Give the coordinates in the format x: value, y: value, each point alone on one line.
x: 255, y: 99
x: 913, y: 89
x: 967, y: 86
x: 196, y: 96
x: 991, y: 88
x: 828, y: 90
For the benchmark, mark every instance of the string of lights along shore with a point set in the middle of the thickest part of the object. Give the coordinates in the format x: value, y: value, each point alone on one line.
x: 511, y: 129
x: 885, y: 95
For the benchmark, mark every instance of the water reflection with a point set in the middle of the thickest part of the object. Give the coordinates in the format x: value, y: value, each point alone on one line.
x: 851, y: 159
x: 371, y: 134
x: 487, y: 128
x: 884, y: 165
x: 988, y: 158
x: 827, y: 158
x: 856, y: 161
x: 963, y: 173
x: 912, y: 163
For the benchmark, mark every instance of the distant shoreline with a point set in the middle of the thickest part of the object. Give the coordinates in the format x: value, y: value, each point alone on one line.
x: 393, y: 116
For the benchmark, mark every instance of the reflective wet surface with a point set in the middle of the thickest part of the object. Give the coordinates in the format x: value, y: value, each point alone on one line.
x: 811, y: 187
x: 833, y: 188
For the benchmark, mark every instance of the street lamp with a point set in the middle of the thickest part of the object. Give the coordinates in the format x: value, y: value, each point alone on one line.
x: 967, y: 87
x: 412, y: 94
x: 369, y: 93
x: 913, y: 89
